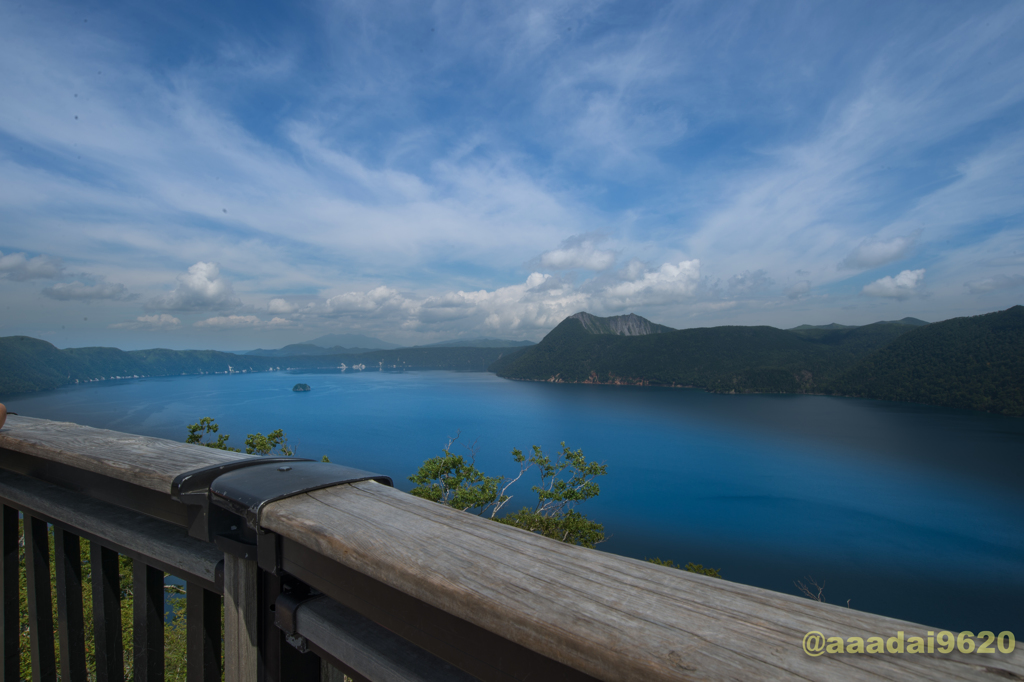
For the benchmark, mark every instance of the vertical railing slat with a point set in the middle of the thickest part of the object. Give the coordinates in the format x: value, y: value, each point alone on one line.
x: 40, y: 600
x: 106, y: 611
x: 203, y: 617
x: 70, y: 617
x: 241, y: 655
x: 10, y: 596
x: 148, y: 612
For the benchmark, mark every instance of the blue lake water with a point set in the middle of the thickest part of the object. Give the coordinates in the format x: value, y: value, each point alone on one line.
x: 909, y: 511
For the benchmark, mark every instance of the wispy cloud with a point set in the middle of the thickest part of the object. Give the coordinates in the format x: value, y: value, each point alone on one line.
x: 445, y: 168
x: 162, y: 321
x: 19, y: 267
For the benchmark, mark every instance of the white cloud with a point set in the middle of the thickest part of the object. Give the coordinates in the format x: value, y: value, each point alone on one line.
x: 996, y: 283
x: 578, y: 252
x: 162, y: 321
x: 667, y: 284
x: 901, y: 286
x: 231, y: 321
x: 381, y: 298
x: 872, y: 253
x: 19, y: 267
x: 799, y: 290
x: 202, y: 288
x: 281, y: 306
x: 77, y: 291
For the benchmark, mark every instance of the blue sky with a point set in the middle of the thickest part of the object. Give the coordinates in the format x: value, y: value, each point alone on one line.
x: 240, y: 175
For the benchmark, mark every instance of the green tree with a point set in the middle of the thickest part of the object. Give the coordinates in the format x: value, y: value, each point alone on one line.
x: 274, y: 443
x: 691, y: 567
x: 566, y: 481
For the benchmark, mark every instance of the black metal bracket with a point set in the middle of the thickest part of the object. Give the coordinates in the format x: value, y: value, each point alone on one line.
x: 245, y: 492
x: 192, y: 489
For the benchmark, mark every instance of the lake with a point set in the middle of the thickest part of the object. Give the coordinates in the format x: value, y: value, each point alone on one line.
x: 905, y: 510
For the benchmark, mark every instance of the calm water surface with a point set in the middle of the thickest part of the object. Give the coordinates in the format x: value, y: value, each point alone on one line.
x: 910, y: 511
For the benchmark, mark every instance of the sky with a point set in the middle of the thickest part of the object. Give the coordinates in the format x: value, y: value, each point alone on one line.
x: 238, y: 175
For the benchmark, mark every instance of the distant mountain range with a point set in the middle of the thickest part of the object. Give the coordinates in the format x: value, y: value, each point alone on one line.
x: 339, y: 345
x: 28, y: 364
x: 969, y: 362
x: 973, y: 362
x: 478, y: 343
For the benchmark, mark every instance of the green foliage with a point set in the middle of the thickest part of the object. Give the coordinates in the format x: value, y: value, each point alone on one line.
x: 206, y: 426
x: 274, y: 443
x: 690, y: 567
x: 454, y: 480
x: 258, y: 444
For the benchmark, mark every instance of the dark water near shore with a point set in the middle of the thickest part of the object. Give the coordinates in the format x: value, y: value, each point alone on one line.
x: 909, y: 511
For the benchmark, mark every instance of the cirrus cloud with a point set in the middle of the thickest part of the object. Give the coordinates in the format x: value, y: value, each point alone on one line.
x: 872, y: 253
x: 996, y: 283
x: 77, y: 291
x: 162, y: 321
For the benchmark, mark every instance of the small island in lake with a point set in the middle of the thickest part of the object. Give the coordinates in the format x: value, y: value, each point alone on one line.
x: 300, y: 387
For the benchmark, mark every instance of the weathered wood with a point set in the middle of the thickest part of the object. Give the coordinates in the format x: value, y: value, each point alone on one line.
x: 161, y: 544
x: 609, y: 616
x: 106, y: 613
x: 10, y: 596
x: 70, y: 615
x: 148, y: 619
x: 328, y: 673
x: 40, y: 604
x: 368, y: 649
x: 148, y: 462
x: 241, y: 638
x: 203, y: 617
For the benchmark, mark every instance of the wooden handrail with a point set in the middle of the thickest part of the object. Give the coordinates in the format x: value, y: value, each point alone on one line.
x: 380, y: 552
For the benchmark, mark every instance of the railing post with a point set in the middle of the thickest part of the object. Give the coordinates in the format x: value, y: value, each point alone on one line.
x: 106, y: 612
x: 10, y: 596
x: 148, y: 612
x: 241, y: 610
x: 70, y: 618
x: 203, y: 633
x: 40, y: 600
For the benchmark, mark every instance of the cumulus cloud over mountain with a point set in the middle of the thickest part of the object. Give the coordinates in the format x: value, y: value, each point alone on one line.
x: 201, y: 288
x: 903, y: 285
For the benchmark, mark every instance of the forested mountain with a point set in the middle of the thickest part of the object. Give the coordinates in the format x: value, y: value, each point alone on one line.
x: 972, y: 362
x: 967, y: 362
x: 28, y: 364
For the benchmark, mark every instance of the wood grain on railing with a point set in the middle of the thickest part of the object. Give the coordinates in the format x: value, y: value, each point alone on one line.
x: 607, y: 616
x: 148, y: 462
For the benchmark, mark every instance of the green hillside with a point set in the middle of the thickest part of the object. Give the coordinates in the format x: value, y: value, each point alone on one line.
x: 741, y: 359
x: 973, y: 362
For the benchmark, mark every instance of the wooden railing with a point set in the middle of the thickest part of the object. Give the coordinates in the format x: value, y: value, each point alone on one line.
x: 360, y: 578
